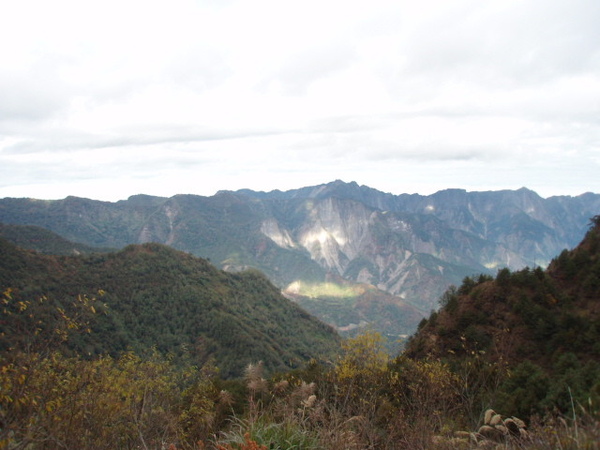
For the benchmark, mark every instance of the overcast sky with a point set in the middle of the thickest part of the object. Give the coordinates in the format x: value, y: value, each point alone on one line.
x: 111, y: 98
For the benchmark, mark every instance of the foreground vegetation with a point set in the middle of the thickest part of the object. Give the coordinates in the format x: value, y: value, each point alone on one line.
x: 364, y: 400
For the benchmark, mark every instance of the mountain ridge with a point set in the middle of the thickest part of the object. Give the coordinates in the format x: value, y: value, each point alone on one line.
x: 408, y: 245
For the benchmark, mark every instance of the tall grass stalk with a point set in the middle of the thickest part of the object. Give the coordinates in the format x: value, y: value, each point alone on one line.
x: 286, y: 435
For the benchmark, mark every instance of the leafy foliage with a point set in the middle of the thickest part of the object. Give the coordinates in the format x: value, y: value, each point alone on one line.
x: 54, y: 401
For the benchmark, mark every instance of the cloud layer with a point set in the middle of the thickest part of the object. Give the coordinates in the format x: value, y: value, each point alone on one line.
x: 110, y: 99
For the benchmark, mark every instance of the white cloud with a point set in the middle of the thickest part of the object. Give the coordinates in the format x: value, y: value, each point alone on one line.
x: 114, y: 98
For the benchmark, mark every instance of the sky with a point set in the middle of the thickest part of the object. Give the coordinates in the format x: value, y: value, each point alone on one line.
x: 112, y: 98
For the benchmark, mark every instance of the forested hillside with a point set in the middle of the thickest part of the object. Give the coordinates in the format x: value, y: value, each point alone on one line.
x: 541, y: 326
x: 153, y: 296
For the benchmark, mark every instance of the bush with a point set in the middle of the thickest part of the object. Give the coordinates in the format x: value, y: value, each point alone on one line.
x: 524, y: 390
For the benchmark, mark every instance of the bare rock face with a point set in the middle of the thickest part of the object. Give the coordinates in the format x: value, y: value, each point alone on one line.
x: 413, y: 257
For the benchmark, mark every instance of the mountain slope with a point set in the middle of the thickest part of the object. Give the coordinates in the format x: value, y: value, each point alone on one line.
x: 353, y: 307
x: 44, y: 241
x: 505, y: 217
x: 528, y: 315
x: 410, y: 246
x: 526, y: 342
x: 160, y: 297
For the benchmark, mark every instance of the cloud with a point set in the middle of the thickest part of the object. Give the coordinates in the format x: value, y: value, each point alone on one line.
x: 280, y: 95
x: 298, y: 72
x: 509, y: 42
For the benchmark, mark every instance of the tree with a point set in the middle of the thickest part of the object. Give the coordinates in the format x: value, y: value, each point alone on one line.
x: 363, y: 358
x: 42, y: 325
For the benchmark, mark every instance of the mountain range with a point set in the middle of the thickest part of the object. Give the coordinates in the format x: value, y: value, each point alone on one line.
x: 352, y: 255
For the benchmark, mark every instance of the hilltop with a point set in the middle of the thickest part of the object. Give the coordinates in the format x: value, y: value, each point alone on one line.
x: 153, y: 296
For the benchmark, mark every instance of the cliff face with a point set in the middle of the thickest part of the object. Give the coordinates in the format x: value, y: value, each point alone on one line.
x: 415, y: 246
x: 411, y: 246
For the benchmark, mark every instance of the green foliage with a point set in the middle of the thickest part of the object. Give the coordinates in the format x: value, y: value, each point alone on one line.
x: 503, y: 277
x: 287, y: 435
x: 52, y: 399
x: 573, y: 383
x: 148, y: 402
x: 531, y: 390
x: 48, y: 400
x: 449, y: 300
x: 42, y: 326
x: 523, y: 392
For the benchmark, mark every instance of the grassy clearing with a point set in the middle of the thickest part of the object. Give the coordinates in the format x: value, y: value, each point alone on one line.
x: 332, y: 290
